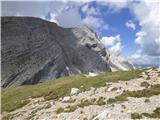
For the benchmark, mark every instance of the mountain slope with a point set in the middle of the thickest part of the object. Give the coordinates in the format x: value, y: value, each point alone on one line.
x: 110, y: 95
x: 119, y: 63
x: 34, y: 50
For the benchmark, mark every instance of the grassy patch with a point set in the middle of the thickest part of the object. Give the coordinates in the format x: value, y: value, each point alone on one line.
x: 147, y: 100
x: 82, y: 104
x: 48, y: 105
x: 111, y: 100
x: 33, y: 113
x: 70, y: 108
x: 136, y: 116
x: 155, y: 114
x: 153, y: 90
x: 85, y: 103
x: 16, y: 97
x: 59, y: 110
x: 66, y: 109
x: 7, y: 117
x: 145, y: 84
x: 101, y: 101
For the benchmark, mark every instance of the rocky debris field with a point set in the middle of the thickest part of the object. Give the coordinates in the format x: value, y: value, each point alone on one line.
x: 134, y: 99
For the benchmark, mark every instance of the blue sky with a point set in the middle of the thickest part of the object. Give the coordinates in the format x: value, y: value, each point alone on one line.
x: 129, y: 28
x: 117, y: 22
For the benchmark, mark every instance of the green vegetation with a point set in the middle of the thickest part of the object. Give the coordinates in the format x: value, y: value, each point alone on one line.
x: 48, y: 105
x: 85, y: 103
x: 111, y: 100
x: 101, y: 101
x: 33, y: 113
x: 60, y: 110
x: 16, y: 97
x: 155, y: 114
x: 114, y: 89
x: 8, y: 117
x: 82, y: 104
x: 70, y: 108
x: 148, y: 92
x: 136, y: 116
x: 145, y: 84
x: 147, y: 100
x: 66, y: 109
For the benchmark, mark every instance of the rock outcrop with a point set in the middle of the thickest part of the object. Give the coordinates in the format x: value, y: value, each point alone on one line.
x: 34, y: 50
x: 118, y: 63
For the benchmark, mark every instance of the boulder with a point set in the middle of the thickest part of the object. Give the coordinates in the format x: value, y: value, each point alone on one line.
x: 67, y: 99
x: 102, y: 116
x: 74, y: 91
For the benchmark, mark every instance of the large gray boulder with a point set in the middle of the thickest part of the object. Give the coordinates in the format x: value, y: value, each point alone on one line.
x: 34, y: 50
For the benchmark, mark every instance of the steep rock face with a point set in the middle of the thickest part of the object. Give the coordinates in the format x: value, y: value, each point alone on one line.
x: 119, y: 63
x: 34, y: 50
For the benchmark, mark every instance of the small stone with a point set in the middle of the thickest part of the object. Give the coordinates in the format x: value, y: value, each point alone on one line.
x: 118, y: 91
x: 74, y: 91
x: 102, y: 116
x: 52, y: 102
x: 67, y: 99
x: 110, y: 89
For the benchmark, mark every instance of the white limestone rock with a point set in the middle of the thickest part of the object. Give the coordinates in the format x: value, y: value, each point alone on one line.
x: 74, y: 91
x: 67, y: 99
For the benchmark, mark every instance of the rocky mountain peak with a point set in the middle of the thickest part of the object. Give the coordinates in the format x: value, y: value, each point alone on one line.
x: 34, y: 50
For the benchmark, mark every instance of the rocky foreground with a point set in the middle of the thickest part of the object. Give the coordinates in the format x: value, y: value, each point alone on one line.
x: 133, y: 99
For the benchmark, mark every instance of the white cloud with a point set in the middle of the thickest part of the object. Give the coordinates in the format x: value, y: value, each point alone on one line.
x: 148, y: 15
x: 90, y: 10
x: 142, y: 59
x: 114, y: 5
x: 113, y: 43
x: 140, y: 37
x: 53, y: 18
x: 116, y: 49
x: 93, y: 21
x: 130, y: 24
x: 70, y: 18
x: 109, y: 41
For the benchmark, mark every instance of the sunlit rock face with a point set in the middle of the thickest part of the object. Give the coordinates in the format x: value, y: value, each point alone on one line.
x: 119, y: 63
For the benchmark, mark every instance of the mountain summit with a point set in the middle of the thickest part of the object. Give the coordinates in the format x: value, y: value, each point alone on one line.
x: 35, y: 50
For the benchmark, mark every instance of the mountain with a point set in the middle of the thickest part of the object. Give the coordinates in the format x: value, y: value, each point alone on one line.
x: 119, y: 63
x: 35, y: 50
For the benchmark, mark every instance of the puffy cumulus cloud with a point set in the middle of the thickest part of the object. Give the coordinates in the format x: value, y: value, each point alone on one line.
x: 130, y: 24
x: 109, y: 41
x: 65, y: 13
x: 149, y: 20
x: 30, y: 8
x: 114, y: 5
x: 113, y: 43
x: 142, y: 59
x: 90, y: 10
x: 70, y: 18
x: 116, y: 49
x: 140, y: 36
x: 93, y: 21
